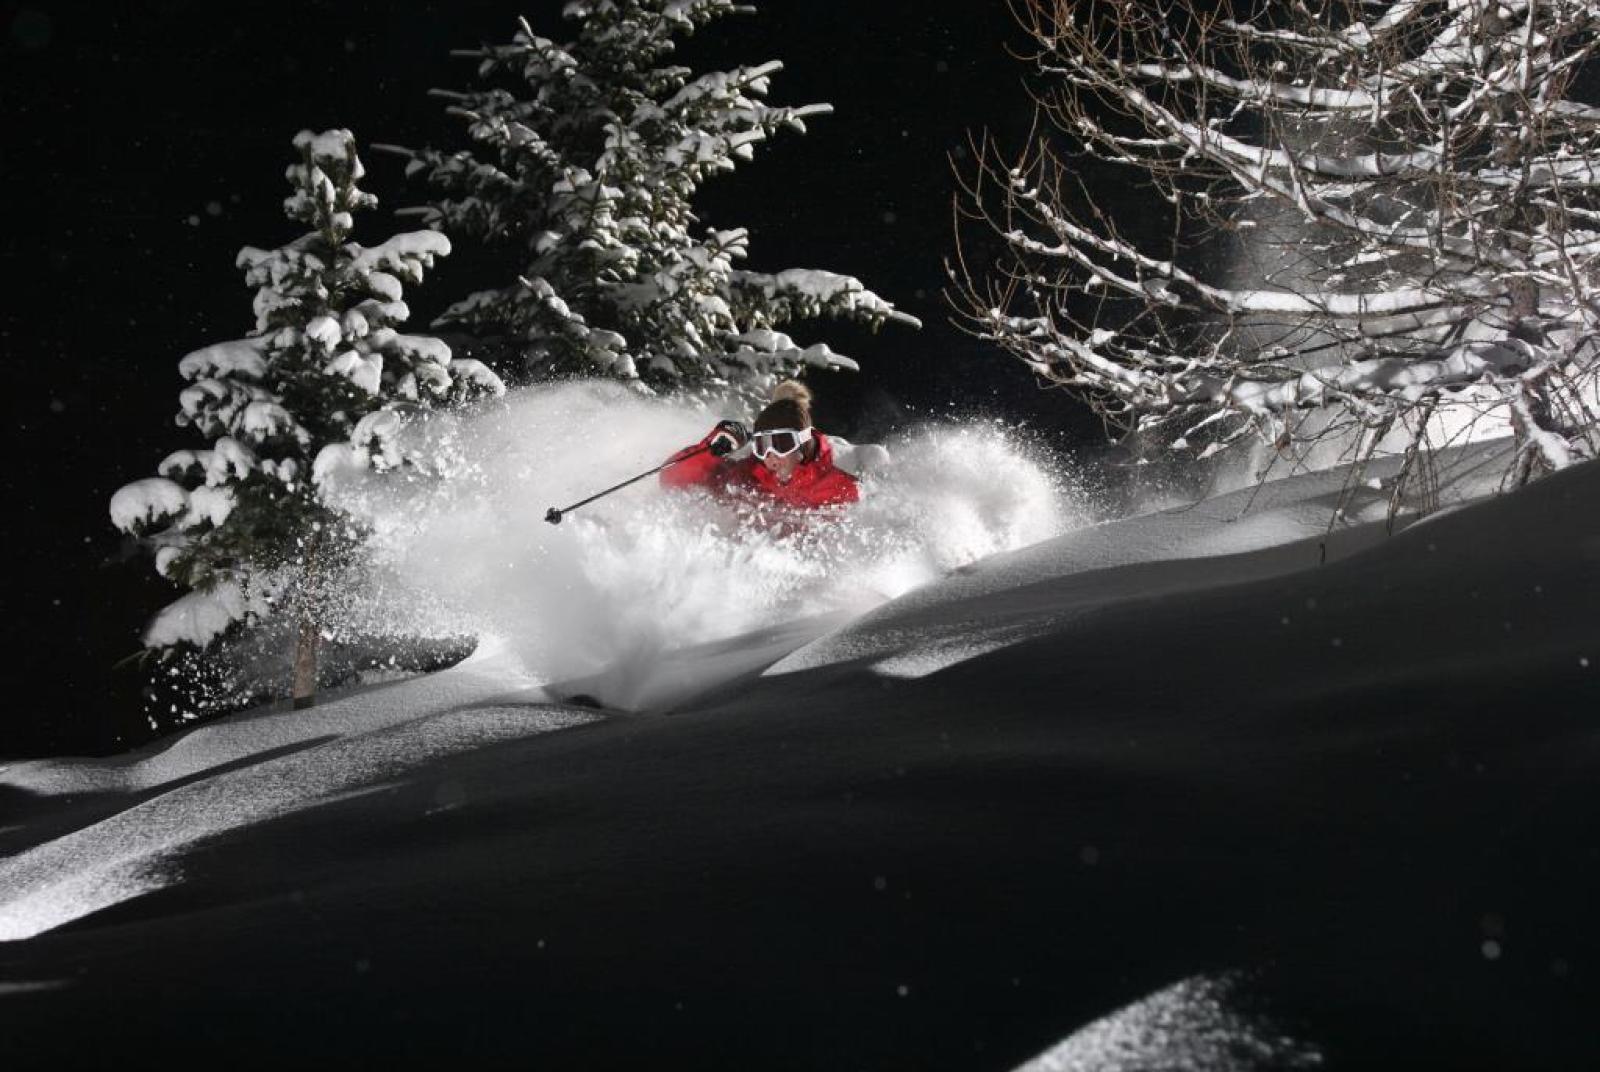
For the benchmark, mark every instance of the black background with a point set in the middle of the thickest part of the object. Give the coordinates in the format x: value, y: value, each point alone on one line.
x: 145, y: 144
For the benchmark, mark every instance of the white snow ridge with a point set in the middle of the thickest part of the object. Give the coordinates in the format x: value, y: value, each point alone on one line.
x: 287, y: 762
x: 1193, y: 1025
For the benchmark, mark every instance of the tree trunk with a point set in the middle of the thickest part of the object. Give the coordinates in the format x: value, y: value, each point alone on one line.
x: 305, y: 664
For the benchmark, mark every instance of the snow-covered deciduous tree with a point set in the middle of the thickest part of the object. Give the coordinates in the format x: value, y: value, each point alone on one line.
x: 320, y: 382
x: 584, y: 161
x: 1375, y: 222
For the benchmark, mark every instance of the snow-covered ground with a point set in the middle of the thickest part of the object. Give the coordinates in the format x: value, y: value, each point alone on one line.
x: 1234, y: 785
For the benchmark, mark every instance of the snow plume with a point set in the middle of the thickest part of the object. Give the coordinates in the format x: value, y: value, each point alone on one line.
x: 626, y: 580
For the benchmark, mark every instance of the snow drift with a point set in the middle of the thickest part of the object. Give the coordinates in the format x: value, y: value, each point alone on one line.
x: 962, y: 830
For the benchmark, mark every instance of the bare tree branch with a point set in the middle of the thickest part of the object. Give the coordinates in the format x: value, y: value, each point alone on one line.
x: 1375, y: 219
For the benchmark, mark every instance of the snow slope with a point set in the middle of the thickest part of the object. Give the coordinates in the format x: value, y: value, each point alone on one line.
x: 1208, y: 788
x: 1268, y: 530
x: 245, y: 771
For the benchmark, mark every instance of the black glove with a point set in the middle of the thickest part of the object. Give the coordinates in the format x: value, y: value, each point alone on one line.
x: 727, y: 437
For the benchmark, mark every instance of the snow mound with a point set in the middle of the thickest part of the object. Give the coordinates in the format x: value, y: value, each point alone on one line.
x: 245, y: 772
x: 1194, y: 1024
x: 489, y: 673
x: 1012, y: 597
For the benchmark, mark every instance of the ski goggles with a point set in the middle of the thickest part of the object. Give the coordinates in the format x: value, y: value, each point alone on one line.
x: 781, y: 442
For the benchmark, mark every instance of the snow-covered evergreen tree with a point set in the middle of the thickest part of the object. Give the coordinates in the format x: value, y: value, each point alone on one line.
x: 321, y: 381
x: 1377, y: 223
x: 587, y: 167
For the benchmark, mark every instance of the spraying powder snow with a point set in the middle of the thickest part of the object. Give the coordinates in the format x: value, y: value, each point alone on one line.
x: 645, y: 572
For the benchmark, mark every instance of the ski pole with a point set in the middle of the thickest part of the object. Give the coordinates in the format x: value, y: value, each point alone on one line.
x: 554, y: 515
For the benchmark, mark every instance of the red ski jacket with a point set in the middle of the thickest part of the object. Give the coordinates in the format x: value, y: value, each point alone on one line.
x: 815, y: 482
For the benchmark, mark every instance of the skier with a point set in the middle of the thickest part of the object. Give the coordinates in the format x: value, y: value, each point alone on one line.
x: 788, y: 462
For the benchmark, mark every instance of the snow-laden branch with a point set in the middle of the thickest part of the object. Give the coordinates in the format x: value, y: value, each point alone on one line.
x: 584, y: 159
x: 1383, y: 211
x: 322, y: 374
x: 1258, y: 91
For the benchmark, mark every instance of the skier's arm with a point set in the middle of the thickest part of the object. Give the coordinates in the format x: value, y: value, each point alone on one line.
x: 687, y: 468
x: 696, y: 465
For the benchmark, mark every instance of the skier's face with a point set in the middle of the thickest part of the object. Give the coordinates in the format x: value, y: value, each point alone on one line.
x: 782, y: 467
x: 781, y: 450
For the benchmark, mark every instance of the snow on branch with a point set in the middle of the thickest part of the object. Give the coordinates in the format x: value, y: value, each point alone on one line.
x: 324, y: 372
x: 1361, y: 215
x: 585, y: 158
x: 201, y: 616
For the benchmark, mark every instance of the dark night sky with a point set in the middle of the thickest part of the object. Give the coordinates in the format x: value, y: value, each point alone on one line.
x: 143, y: 147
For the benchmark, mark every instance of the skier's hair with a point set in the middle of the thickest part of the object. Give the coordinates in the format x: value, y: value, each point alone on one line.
x: 790, y: 407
